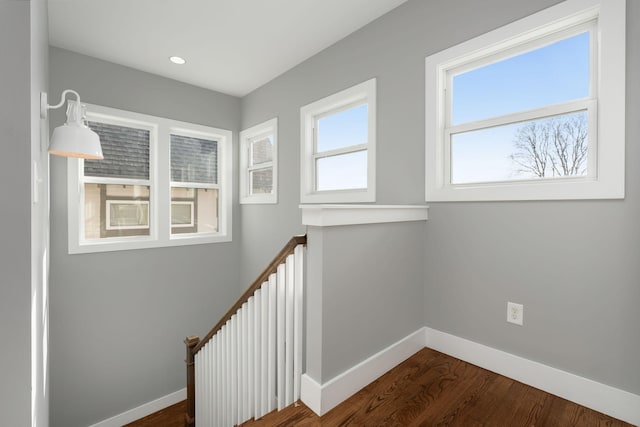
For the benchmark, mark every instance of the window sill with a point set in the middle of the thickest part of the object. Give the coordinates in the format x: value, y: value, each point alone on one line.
x: 123, y: 244
x: 339, y: 196
x: 267, y: 199
x: 332, y: 215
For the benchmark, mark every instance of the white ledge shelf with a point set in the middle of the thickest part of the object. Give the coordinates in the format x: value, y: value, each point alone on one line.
x: 331, y: 215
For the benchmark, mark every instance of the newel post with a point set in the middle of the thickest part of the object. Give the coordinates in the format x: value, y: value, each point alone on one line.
x: 190, y: 417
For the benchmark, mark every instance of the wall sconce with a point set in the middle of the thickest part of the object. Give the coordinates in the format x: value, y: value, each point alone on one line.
x: 74, y: 138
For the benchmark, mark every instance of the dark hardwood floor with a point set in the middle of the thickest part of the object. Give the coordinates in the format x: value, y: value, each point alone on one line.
x: 433, y: 389
x: 173, y: 416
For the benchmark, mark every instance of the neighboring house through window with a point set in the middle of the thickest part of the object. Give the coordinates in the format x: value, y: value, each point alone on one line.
x: 533, y: 110
x: 338, y: 153
x: 161, y: 183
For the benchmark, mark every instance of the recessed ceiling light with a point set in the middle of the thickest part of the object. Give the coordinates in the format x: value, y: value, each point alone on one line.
x: 177, y: 60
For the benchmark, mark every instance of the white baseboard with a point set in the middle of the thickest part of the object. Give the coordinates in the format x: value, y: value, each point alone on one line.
x: 597, y: 396
x: 322, y: 398
x: 144, y: 410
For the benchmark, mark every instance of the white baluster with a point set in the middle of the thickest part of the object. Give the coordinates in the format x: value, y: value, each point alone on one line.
x: 280, y: 335
x: 264, y: 352
x: 288, y: 366
x: 219, y: 414
x: 273, y: 305
x: 225, y: 373
x: 234, y: 369
x: 257, y: 346
x: 198, y: 380
x: 298, y: 320
x: 250, y: 383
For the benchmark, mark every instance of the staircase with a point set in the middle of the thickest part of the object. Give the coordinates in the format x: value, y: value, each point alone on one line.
x: 250, y: 362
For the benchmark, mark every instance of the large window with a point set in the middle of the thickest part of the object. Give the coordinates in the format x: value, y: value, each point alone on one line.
x: 338, y: 147
x: 533, y: 110
x: 259, y: 163
x: 161, y: 183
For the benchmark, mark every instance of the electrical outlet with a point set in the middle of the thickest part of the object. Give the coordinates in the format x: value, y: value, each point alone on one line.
x: 515, y: 313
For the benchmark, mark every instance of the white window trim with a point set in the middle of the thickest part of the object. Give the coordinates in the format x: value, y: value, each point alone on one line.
x: 270, y: 127
x: 362, y: 93
x: 608, y: 182
x: 160, y: 181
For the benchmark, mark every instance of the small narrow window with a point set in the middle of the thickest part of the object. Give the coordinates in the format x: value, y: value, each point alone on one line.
x: 259, y: 163
x: 338, y: 147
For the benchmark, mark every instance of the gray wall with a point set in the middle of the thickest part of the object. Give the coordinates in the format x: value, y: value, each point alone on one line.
x: 392, y: 49
x: 15, y: 188
x: 364, y: 292
x: 574, y: 265
x: 118, y: 319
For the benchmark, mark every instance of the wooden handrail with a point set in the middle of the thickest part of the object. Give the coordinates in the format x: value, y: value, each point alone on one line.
x: 264, y: 276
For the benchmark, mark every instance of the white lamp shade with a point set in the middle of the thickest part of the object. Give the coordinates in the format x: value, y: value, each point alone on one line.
x: 75, y: 140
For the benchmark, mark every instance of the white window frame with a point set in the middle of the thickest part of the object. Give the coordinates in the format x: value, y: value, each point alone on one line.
x: 159, y: 181
x: 606, y: 105
x: 363, y: 93
x: 247, y: 136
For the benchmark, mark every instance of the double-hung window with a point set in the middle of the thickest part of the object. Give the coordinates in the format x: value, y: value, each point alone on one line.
x: 117, y: 190
x: 161, y: 183
x: 533, y: 110
x: 195, y: 185
x: 259, y: 163
x: 338, y: 147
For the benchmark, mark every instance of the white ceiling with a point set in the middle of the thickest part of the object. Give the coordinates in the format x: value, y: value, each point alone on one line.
x: 231, y: 46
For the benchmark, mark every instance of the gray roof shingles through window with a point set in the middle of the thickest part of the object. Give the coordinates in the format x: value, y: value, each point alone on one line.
x: 126, y: 155
x: 194, y: 160
x: 126, y: 152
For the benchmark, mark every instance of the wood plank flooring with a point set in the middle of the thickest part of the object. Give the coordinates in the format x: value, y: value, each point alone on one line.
x: 433, y: 389
x: 173, y: 416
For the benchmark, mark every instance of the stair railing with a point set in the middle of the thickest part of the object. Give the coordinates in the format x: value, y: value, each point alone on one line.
x: 250, y: 362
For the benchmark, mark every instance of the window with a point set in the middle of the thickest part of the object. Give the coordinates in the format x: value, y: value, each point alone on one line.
x: 194, y: 182
x: 161, y: 183
x: 531, y: 111
x: 116, y: 190
x: 259, y: 163
x: 338, y: 147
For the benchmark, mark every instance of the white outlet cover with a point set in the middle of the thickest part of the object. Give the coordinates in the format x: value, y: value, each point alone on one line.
x: 515, y: 313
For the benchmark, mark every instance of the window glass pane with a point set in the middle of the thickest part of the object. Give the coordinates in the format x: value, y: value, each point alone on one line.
x: 182, y: 214
x: 194, y: 160
x: 126, y: 214
x: 545, y: 148
x: 549, y: 75
x: 261, y: 181
x: 194, y: 210
x: 115, y: 210
x: 125, y: 149
x: 342, y: 172
x: 262, y: 150
x: 343, y: 129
